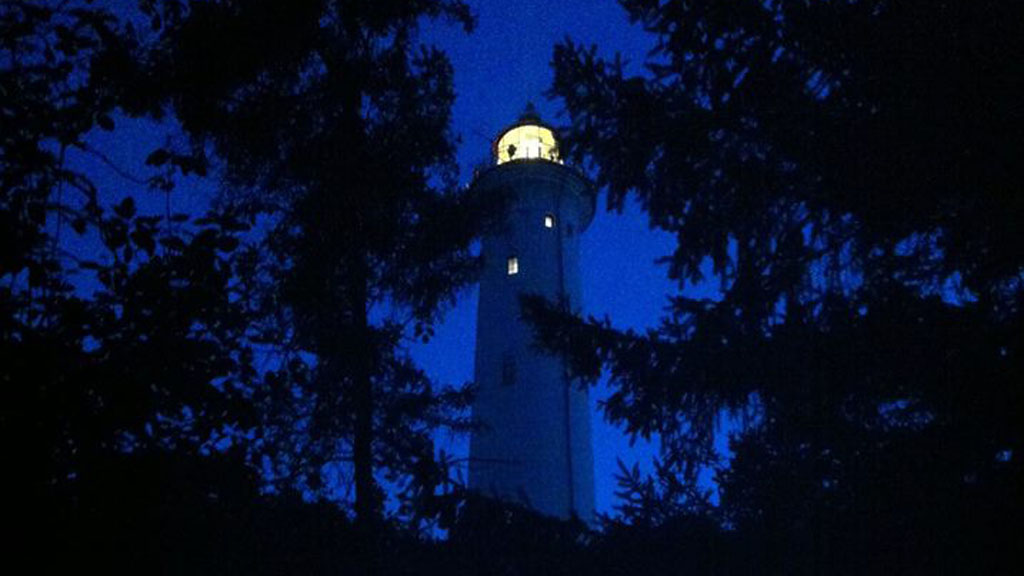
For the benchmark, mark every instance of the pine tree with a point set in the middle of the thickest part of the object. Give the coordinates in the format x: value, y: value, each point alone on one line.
x: 332, y: 123
x: 847, y: 171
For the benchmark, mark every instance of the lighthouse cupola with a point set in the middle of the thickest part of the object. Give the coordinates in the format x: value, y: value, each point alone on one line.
x: 527, y: 139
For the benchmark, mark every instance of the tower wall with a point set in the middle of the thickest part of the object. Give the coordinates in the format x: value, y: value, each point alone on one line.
x: 535, y: 445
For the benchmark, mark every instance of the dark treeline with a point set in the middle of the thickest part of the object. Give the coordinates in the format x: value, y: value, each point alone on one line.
x: 213, y: 393
x: 850, y: 172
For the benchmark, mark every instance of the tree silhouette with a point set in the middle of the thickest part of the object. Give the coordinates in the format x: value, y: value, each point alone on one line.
x: 136, y: 346
x: 332, y: 125
x: 846, y: 171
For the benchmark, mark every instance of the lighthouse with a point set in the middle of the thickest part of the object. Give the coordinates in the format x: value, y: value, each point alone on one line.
x: 533, y: 444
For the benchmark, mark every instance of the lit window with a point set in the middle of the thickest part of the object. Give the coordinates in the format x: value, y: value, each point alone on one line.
x: 513, y: 265
x: 549, y: 220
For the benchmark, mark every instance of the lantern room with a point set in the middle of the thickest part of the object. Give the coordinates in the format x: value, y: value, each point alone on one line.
x: 527, y: 139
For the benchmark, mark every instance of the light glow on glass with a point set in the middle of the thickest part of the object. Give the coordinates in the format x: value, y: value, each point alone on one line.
x: 527, y: 142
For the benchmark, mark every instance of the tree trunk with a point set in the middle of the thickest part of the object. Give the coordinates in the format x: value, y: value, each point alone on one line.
x: 362, y: 390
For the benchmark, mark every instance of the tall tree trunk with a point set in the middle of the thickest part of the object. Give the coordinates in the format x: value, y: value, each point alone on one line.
x: 365, y: 505
x: 362, y: 346
x: 360, y: 356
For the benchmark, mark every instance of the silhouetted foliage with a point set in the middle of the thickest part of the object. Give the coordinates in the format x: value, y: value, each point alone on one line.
x: 847, y: 172
x: 332, y: 126
x: 135, y: 344
x: 337, y: 138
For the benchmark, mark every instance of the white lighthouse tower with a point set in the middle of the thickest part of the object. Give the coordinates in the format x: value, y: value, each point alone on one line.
x: 534, y: 443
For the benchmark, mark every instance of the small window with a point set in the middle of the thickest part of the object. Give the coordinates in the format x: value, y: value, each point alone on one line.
x: 513, y: 265
x: 549, y: 220
x: 508, y: 370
